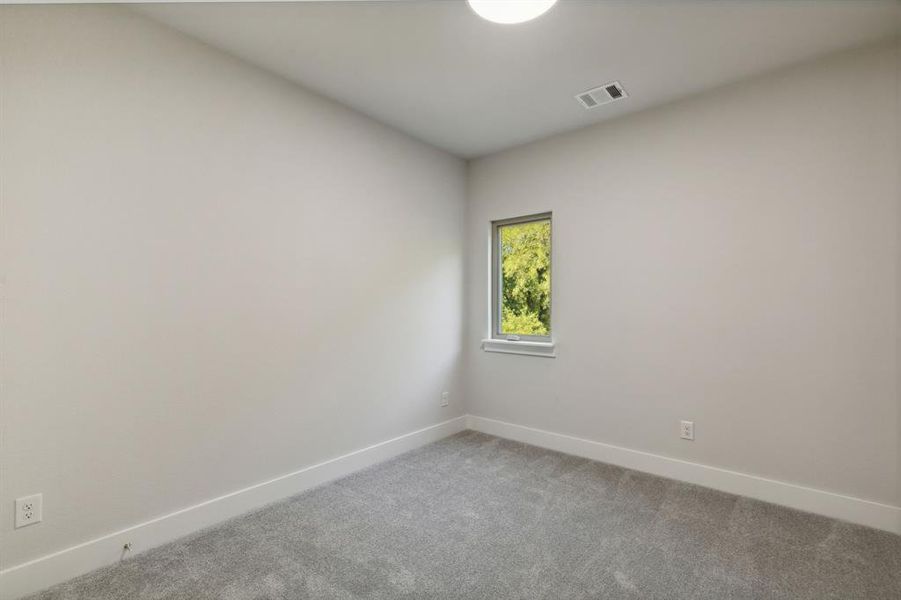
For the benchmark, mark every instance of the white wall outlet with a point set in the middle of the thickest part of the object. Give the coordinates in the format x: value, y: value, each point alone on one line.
x: 687, y: 430
x: 445, y: 398
x: 28, y: 510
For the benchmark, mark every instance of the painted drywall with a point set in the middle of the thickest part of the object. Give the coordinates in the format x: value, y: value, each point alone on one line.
x: 210, y: 277
x: 732, y: 259
x: 898, y: 307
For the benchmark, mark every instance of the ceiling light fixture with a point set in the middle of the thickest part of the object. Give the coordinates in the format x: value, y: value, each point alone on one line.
x: 510, y: 11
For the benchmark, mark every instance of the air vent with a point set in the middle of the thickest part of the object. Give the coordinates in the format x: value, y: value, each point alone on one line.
x: 601, y: 95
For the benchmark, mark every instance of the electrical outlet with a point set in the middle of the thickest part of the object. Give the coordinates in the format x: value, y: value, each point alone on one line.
x: 28, y: 510
x: 687, y: 430
x: 445, y: 397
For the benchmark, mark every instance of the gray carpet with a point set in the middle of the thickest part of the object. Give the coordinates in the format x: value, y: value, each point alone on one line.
x: 474, y: 516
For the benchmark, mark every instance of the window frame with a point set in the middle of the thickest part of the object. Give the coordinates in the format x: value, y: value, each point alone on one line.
x: 497, y: 279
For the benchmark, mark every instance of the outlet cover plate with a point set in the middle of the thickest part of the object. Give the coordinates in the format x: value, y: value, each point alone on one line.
x: 29, y: 510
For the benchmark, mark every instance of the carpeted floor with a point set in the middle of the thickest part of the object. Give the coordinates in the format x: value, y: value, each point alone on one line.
x: 474, y: 516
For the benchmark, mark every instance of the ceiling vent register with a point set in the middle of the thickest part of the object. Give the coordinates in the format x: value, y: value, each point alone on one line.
x: 605, y: 94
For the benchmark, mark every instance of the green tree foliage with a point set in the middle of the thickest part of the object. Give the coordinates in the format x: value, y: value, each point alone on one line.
x: 526, y: 270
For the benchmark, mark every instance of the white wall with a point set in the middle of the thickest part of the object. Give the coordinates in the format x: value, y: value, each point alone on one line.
x: 732, y: 259
x: 210, y: 277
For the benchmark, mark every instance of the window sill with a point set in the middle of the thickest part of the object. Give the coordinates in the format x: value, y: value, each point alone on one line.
x: 545, y: 349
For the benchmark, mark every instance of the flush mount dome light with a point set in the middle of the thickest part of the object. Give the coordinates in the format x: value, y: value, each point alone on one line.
x: 510, y: 11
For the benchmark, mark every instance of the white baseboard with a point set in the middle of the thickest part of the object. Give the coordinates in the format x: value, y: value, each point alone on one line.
x: 43, y: 572
x: 33, y: 576
x: 838, y: 506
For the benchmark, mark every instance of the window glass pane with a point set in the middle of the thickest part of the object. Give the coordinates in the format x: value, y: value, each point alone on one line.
x: 525, y: 254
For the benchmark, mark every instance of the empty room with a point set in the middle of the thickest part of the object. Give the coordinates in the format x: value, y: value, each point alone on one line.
x: 450, y: 299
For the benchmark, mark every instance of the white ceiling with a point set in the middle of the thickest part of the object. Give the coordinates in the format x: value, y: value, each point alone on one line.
x: 440, y: 73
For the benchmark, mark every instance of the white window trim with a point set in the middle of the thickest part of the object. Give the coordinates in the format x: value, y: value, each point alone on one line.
x: 527, y: 348
x: 516, y: 344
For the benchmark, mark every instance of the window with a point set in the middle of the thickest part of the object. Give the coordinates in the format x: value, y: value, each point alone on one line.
x: 521, y: 276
